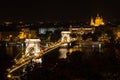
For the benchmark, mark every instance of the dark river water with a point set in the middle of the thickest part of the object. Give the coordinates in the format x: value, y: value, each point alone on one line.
x: 89, y: 63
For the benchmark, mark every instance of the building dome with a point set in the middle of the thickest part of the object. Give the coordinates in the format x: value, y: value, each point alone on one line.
x: 97, y: 22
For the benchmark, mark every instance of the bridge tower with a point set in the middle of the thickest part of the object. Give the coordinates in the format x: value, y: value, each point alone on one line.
x: 32, y: 46
x: 65, y: 36
x: 65, y: 39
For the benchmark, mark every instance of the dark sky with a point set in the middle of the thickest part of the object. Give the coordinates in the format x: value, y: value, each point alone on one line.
x: 58, y: 9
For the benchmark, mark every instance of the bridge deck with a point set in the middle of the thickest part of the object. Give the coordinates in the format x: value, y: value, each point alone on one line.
x: 25, y: 60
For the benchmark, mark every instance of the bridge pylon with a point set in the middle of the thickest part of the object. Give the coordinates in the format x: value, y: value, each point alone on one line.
x: 65, y: 36
x: 32, y: 47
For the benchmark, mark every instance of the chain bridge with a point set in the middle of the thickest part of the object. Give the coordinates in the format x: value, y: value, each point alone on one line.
x: 33, y: 52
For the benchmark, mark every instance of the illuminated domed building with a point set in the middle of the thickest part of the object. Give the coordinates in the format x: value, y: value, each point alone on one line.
x: 97, y: 22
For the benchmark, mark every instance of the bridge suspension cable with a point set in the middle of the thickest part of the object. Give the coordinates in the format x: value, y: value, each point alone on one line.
x: 26, y: 60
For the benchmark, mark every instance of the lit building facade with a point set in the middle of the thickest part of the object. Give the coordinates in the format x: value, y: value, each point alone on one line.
x: 97, y: 22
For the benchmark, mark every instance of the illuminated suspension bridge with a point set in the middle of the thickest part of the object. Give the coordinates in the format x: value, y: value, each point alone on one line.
x: 34, y: 53
x: 28, y: 56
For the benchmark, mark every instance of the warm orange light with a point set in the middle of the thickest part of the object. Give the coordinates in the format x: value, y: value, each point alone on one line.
x: 22, y: 35
x: 9, y: 76
x: 118, y: 34
x: 97, y: 22
x: 10, y: 36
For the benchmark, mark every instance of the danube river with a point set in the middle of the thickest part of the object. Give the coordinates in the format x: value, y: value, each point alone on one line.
x: 83, y: 63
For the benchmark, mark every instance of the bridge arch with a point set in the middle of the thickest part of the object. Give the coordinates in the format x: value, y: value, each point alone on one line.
x: 65, y: 36
x: 32, y: 46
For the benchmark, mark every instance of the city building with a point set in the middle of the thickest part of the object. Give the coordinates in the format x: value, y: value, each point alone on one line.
x: 97, y: 22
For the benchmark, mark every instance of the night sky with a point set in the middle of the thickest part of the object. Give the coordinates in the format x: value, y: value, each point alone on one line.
x: 58, y: 10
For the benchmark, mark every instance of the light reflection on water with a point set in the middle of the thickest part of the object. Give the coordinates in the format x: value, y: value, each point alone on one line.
x: 9, y: 51
x: 12, y: 51
x: 63, y: 53
x: 101, y: 51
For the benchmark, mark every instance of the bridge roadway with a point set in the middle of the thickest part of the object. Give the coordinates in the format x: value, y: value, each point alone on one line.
x: 25, y: 60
